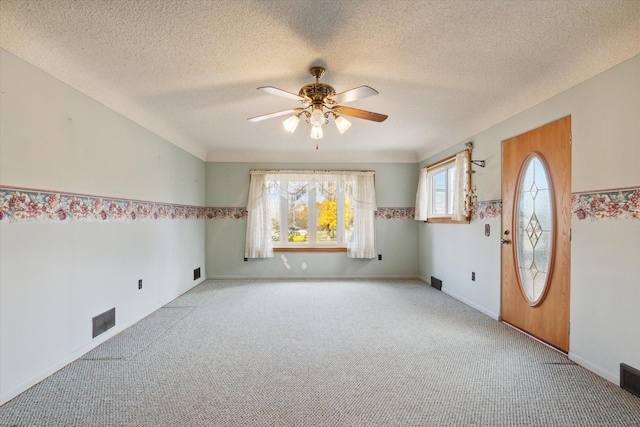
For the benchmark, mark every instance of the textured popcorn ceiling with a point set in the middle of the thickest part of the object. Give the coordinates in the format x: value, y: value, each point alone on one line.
x: 188, y: 70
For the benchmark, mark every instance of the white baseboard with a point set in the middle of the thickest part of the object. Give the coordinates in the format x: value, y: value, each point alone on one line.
x: 297, y: 277
x: 424, y: 279
x: 494, y: 316
x: 613, y: 377
x: 52, y: 369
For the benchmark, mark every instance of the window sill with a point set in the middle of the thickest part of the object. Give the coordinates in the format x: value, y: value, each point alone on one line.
x: 309, y: 249
x: 447, y: 221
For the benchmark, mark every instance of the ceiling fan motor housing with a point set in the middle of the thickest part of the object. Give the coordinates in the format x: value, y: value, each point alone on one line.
x: 317, y: 92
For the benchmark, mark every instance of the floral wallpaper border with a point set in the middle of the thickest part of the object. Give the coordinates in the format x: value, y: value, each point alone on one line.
x: 606, y: 204
x: 620, y: 203
x: 35, y: 205
x: 487, y: 210
x: 225, y: 213
x: 395, y: 213
x: 18, y: 204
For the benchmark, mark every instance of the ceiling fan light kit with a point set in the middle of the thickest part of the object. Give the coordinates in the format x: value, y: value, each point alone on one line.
x: 291, y: 123
x: 316, y: 132
x: 342, y: 124
x: 319, y: 101
x: 317, y: 117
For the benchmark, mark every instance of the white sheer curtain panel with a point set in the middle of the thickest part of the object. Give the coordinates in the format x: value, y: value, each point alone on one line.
x: 363, y: 239
x: 258, y: 243
x: 316, y: 180
x: 358, y: 186
x: 422, y: 196
x: 461, y: 186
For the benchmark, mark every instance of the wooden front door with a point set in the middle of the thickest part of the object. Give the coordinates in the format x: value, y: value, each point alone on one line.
x: 536, y: 221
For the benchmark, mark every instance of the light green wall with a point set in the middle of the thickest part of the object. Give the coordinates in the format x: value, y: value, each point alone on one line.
x: 605, y: 290
x: 228, y: 186
x: 55, y: 276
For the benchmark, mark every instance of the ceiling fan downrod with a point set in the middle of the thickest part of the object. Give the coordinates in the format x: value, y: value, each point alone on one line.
x: 317, y: 72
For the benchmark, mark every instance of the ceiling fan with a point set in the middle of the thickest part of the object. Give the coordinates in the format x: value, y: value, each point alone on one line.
x: 319, y: 101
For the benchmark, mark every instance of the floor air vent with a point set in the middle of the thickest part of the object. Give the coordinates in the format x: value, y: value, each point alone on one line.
x: 104, y: 321
x: 436, y: 283
x: 630, y: 379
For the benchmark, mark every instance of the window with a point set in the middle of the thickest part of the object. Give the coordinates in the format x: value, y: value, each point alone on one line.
x: 311, y: 210
x: 442, y: 184
x: 443, y: 190
x: 310, y: 215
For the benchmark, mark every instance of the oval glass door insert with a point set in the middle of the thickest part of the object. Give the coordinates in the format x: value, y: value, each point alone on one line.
x: 534, y: 233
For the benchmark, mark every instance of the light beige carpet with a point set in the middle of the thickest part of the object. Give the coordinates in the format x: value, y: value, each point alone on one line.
x: 321, y: 353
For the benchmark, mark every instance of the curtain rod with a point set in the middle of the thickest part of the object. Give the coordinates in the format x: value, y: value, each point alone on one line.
x: 310, y: 171
x: 446, y: 159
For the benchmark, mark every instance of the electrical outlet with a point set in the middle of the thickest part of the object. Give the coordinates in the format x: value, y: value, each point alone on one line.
x: 473, y: 276
x: 246, y: 259
x: 379, y: 257
x: 140, y: 284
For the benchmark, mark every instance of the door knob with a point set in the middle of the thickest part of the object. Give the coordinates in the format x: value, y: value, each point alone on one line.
x: 505, y: 241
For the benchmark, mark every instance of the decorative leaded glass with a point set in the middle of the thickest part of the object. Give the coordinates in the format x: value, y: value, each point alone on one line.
x: 534, y: 229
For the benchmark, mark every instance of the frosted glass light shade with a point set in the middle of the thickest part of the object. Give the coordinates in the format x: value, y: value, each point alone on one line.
x: 316, y: 132
x: 342, y: 124
x: 291, y: 124
x: 317, y: 117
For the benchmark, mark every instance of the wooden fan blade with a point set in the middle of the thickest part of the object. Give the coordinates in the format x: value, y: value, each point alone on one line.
x: 283, y: 93
x: 271, y: 115
x: 353, y: 94
x: 360, y: 114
